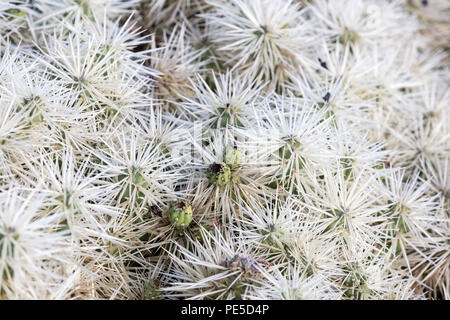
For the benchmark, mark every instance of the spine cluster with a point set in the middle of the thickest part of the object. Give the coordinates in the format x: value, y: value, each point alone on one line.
x: 224, y: 149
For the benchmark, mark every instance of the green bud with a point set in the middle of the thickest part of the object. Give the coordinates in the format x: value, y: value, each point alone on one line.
x: 181, y: 214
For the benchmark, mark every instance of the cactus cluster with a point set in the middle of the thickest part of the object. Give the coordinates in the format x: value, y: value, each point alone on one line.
x: 224, y: 149
x: 180, y: 215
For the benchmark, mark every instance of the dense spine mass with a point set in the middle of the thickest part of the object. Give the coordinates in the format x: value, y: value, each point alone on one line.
x: 224, y: 149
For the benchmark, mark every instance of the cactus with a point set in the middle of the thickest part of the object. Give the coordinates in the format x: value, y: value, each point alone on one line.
x: 219, y: 174
x: 180, y: 215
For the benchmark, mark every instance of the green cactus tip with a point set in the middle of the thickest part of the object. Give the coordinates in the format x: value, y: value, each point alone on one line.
x: 180, y: 215
x: 219, y: 174
x: 152, y: 291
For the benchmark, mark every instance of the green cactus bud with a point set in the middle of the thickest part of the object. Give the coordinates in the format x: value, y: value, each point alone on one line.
x: 285, y: 152
x: 219, y: 174
x: 232, y: 157
x: 180, y: 215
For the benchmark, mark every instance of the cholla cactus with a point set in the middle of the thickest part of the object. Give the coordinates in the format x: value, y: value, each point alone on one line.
x: 181, y: 214
x: 224, y: 149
